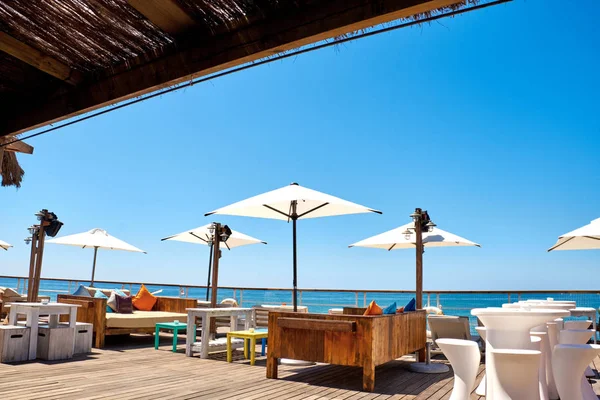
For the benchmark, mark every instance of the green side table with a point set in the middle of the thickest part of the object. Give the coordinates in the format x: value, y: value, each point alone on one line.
x: 171, y: 326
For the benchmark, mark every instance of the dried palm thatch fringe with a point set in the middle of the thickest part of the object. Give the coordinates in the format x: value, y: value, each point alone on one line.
x: 12, y: 173
x: 417, y: 17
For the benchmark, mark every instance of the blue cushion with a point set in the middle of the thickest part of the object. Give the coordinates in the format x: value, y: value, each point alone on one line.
x: 100, y: 295
x: 411, y: 306
x: 82, y: 291
x: 391, y: 309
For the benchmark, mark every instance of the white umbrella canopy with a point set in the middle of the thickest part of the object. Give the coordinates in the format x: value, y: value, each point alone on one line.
x: 4, y: 245
x: 585, y: 238
x: 201, y: 235
x: 97, y: 239
x: 293, y: 202
x: 277, y: 204
x: 395, y: 239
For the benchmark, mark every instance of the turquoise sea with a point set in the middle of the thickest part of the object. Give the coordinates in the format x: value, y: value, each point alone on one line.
x: 454, y: 303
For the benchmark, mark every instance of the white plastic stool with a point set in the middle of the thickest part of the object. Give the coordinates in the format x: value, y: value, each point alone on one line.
x: 560, y: 323
x: 480, y: 390
x: 579, y: 337
x: 544, y: 347
x: 553, y: 341
x: 575, y: 336
x: 517, y: 374
x: 581, y: 325
x: 464, y: 356
x: 569, y: 362
x: 578, y: 324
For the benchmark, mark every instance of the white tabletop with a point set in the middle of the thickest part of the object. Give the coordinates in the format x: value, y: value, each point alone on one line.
x: 41, y: 305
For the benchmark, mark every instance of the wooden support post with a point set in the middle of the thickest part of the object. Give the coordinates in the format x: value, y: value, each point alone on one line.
x: 38, y: 261
x: 31, y: 266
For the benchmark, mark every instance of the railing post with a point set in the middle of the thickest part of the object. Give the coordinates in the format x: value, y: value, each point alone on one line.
x: 241, y: 297
x: 519, y: 296
x: 356, y: 297
x: 509, y: 297
x: 234, y: 292
x: 428, y: 299
x: 364, y: 299
x: 300, y: 295
x: 437, y: 300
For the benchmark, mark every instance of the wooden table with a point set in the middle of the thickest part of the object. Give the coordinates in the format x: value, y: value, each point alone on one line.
x: 33, y: 311
x: 247, y: 335
x: 206, y: 314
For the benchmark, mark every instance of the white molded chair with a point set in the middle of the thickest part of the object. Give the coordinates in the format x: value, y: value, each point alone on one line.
x: 569, y: 362
x: 464, y: 356
x: 578, y: 324
x: 517, y: 375
x: 579, y: 337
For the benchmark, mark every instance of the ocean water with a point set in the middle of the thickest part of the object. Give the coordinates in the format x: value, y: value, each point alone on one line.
x: 455, y: 303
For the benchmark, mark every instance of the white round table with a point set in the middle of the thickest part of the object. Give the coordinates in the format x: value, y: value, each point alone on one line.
x: 509, y: 328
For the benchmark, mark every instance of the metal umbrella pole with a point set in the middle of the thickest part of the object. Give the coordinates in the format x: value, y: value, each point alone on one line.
x: 94, y: 266
x: 209, y: 269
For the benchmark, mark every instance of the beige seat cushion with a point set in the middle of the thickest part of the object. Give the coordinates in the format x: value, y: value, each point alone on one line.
x: 142, y: 319
x: 8, y: 292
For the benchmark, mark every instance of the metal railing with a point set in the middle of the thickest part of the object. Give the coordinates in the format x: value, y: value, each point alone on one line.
x: 320, y: 300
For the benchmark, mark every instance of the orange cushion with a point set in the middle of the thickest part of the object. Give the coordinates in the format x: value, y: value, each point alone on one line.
x: 144, y: 300
x: 373, y: 309
x: 400, y: 310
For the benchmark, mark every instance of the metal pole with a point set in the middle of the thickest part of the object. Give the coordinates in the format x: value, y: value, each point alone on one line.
x: 294, y: 219
x: 419, y: 250
x: 215, y: 272
x: 94, y: 266
x: 209, y: 269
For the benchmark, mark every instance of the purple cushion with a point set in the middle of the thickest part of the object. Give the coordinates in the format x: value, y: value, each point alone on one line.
x: 124, y: 304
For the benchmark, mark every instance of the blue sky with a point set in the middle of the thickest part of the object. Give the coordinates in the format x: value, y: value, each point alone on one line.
x: 488, y: 120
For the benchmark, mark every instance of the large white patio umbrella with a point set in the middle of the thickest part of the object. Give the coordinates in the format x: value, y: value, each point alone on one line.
x: 585, y: 238
x: 293, y: 202
x: 408, y: 237
x: 97, y: 239
x: 203, y: 235
x: 4, y: 245
x: 396, y: 239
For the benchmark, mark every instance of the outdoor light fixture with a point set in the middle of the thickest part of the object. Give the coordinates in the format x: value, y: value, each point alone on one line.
x: 225, y: 233
x: 430, y: 225
x: 407, y: 233
x: 27, y: 240
x: 211, y: 229
x: 415, y: 216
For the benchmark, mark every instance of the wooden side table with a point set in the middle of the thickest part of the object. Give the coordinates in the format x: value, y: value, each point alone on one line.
x: 172, y: 326
x: 246, y: 335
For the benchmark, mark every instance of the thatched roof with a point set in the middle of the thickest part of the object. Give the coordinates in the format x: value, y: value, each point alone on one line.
x: 61, y: 58
x: 10, y: 170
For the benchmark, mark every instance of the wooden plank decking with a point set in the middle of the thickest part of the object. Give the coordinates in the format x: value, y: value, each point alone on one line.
x: 134, y: 370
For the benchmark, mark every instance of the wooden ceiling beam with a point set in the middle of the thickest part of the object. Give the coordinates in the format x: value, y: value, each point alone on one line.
x: 19, y: 147
x: 39, y: 60
x: 318, y: 20
x: 166, y: 14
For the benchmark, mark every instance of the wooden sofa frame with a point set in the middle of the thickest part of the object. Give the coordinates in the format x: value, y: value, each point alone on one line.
x: 93, y: 310
x: 352, y: 340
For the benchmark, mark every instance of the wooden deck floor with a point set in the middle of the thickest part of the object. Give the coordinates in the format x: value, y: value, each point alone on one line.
x: 132, y: 369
